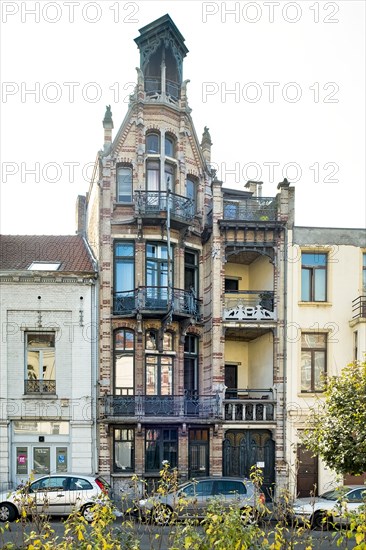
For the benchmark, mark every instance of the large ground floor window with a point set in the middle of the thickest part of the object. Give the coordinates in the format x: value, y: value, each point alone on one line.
x: 160, y: 444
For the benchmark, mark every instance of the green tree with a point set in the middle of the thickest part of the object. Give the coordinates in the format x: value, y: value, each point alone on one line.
x: 336, y: 429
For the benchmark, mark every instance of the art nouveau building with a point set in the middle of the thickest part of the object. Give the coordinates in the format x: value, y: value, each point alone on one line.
x: 192, y: 303
x: 326, y: 331
x: 48, y: 360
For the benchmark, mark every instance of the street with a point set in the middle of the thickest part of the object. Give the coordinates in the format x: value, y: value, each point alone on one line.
x: 152, y: 537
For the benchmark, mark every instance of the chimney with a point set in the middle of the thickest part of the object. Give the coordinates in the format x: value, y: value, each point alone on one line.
x: 80, y: 215
x: 108, y: 127
x: 255, y: 187
x: 206, y: 145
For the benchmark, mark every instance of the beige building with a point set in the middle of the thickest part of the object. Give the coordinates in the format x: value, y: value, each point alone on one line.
x: 326, y: 330
x: 192, y: 291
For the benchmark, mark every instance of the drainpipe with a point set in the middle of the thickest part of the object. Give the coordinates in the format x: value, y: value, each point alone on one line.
x: 285, y: 347
x: 94, y: 367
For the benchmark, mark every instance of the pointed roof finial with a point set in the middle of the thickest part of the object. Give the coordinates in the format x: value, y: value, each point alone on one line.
x: 107, y: 121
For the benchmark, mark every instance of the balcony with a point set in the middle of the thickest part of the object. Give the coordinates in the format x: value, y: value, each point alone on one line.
x: 359, y: 308
x: 152, y: 206
x: 157, y: 300
x: 257, y: 209
x: 243, y: 405
x: 249, y: 305
x: 153, y: 91
x: 40, y: 386
x: 172, y: 406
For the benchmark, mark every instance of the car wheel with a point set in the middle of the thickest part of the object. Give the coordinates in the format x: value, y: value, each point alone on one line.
x: 249, y: 515
x: 7, y: 512
x: 88, y: 512
x: 321, y: 520
x: 162, y: 515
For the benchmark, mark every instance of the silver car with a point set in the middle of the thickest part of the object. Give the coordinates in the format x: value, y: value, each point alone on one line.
x: 331, y: 507
x: 55, y: 495
x: 192, y: 499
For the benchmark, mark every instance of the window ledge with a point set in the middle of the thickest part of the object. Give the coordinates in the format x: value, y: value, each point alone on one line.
x: 311, y: 394
x: 52, y: 396
x: 123, y: 474
x: 317, y: 304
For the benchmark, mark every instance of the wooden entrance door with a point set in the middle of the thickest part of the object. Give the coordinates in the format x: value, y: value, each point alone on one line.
x: 307, y: 473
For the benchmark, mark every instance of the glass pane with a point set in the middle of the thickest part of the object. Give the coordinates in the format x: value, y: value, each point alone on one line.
x: 152, y: 143
x: 166, y: 376
x: 313, y: 340
x: 48, y: 364
x: 124, y: 183
x: 169, y: 147
x: 305, y: 285
x: 151, y: 376
x: 40, y: 340
x: 124, y: 275
x: 153, y: 176
x: 41, y: 460
x: 124, y: 249
x: 170, y: 453
x: 168, y: 341
x: 305, y: 371
x: 191, y: 189
x: 22, y: 460
x: 123, y: 455
x: 320, y: 285
x: 204, y: 488
x: 124, y: 371
x: 319, y: 370
x: 129, y: 340
x: 313, y: 259
x: 169, y: 177
x: 61, y: 459
x: 33, y: 365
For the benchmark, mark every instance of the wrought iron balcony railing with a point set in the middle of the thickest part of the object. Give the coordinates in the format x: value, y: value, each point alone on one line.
x: 249, y: 405
x: 201, y: 406
x: 249, y: 305
x: 152, y: 87
x: 152, y: 203
x: 251, y: 209
x: 39, y: 386
x: 359, y: 307
x: 157, y: 299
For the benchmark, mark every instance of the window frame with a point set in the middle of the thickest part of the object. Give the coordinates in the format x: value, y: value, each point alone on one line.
x: 191, y: 357
x: 130, y: 183
x: 125, y: 352
x: 313, y: 351
x: 363, y: 282
x: 194, y: 182
x: 149, y: 135
x: 131, y: 437
x: 123, y: 260
x: 160, y: 450
x: 42, y: 388
x: 157, y: 359
x: 313, y: 269
x: 194, y: 268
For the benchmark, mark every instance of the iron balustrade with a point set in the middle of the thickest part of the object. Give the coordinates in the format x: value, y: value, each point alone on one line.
x: 202, y: 406
x: 249, y: 405
x: 39, y: 386
x: 158, y: 299
x: 251, y: 209
x: 152, y: 86
x: 359, y: 307
x: 155, y: 202
x: 257, y: 305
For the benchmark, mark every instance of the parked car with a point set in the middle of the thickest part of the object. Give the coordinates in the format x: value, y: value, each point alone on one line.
x: 56, y: 495
x: 192, y: 499
x: 330, y: 507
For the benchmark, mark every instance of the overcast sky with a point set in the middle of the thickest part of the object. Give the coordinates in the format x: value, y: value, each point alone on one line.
x: 281, y: 86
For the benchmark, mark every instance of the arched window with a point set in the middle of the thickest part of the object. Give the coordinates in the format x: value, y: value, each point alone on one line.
x: 124, y: 344
x: 159, y: 365
x: 124, y: 184
x: 169, y: 146
x: 153, y: 143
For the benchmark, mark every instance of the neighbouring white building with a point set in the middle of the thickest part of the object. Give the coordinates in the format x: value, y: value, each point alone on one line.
x: 48, y: 356
x: 326, y: 330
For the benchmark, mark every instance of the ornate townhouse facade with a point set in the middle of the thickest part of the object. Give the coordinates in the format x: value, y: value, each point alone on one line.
x: 48, y: 361
x: 192, y: 302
